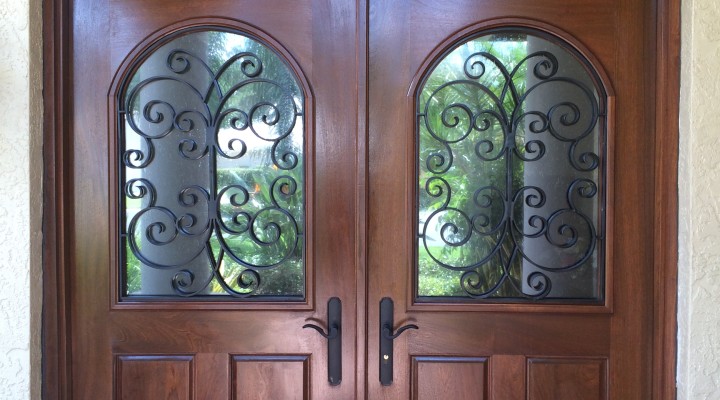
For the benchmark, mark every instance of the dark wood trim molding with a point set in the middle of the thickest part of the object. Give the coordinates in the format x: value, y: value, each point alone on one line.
x: 57, y: 207
x: 667, y: 100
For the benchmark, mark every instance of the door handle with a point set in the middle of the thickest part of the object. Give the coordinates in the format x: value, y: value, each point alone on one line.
x: 334, y: 339
x: 387, y: 310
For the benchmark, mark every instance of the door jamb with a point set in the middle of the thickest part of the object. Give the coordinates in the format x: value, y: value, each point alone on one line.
x: 57, y: 200
x: 667, y: 81
x: 58, y: 211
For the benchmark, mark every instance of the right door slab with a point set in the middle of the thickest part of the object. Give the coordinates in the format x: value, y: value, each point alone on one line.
x: 510, y: 197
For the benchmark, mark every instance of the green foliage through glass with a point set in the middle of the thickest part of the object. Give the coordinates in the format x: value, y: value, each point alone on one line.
x: 510, y: 148
x: 212, y: 143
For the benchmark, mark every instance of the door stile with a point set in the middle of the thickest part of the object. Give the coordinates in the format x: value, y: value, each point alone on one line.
x: 362, y: 190
x: 629, y: 375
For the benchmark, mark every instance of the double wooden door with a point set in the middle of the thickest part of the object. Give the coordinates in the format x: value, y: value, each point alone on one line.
x: 360, y: 65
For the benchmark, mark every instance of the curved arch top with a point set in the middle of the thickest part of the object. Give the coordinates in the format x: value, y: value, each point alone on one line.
x: 160, y: 36
x: 211, y: 147
x: 511, y: 167
x: 543, y: 28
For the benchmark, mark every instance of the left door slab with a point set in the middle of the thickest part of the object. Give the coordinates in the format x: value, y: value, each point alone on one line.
x: 213, y: 347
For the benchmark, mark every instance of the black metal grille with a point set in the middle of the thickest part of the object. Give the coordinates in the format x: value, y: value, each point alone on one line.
x: 511, y: 146
x: 198, y: 116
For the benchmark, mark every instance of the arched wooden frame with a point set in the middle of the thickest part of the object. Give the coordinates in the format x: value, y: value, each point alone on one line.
x: 124, y: 72
x: 597, y: 74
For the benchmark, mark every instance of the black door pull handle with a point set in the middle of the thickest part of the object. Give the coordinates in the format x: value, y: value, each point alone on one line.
x: 387, y: 331
x: 334, y: 338
x: 387, y: 310
x: 332, y: 334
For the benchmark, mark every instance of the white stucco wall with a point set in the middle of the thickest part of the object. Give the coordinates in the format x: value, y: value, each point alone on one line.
x: 699, y: 258
x: 20, y: 199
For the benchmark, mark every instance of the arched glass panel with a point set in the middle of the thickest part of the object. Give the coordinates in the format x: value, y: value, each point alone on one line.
x: 212, y: 182
x: 510, y: 172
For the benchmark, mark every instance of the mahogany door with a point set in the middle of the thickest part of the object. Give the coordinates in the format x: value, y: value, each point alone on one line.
x: 497, y: 317
x: 518, y: 339
x: 143, y: 336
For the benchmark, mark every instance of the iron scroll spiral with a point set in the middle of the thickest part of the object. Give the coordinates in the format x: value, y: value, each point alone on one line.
x: 492, y: 108
x: 211, y: 112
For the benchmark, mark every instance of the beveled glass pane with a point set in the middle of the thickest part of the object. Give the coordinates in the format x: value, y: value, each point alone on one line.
x: 212, y: 173
x: 511, y: 160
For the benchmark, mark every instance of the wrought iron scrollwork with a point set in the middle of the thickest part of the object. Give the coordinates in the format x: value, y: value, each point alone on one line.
x: 504, y: 120
x: 206, y: 112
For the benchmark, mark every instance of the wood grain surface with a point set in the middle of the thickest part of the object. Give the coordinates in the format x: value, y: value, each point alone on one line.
x: 359, y: 59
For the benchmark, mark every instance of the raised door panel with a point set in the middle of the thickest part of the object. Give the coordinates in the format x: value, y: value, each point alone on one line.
x: 270, y: 377
x: 581, y: 379
x: 154, y: 377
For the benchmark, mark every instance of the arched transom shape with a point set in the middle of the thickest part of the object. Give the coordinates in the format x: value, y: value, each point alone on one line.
x: 511, y: 159
x: 212, y: 177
